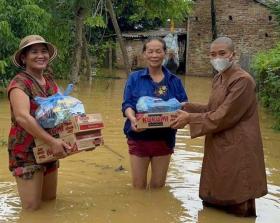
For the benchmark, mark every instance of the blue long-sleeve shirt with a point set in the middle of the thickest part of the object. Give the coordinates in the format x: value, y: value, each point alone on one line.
x: 139, y: 84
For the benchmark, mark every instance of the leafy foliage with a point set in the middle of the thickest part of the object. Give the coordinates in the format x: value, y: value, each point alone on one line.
x: 54, y: 20
x: 59, y: 32
x: 275, y: 9
x: 18, y: 19
x: 267, y: 68
x: 147, y: 14
x: 96, y: 21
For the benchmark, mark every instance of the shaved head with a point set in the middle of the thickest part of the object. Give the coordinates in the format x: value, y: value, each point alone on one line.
x: 224, y: 40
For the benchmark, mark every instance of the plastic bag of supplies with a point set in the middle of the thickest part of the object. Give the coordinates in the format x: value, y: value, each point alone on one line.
x: 146, y: 104
x: 57, y: 108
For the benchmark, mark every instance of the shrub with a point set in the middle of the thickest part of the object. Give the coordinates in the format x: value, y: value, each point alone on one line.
x: 267, y: 69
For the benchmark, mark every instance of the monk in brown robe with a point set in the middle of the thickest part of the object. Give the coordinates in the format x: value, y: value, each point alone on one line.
x: 233, y: 169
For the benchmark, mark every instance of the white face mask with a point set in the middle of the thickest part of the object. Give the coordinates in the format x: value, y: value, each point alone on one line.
x: 221, y: 64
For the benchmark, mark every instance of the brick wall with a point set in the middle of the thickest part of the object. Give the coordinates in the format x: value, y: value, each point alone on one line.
x: 200, y: 36
x: 248, y: 23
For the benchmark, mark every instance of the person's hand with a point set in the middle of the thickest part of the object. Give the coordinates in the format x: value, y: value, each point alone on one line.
x: 183, y: 105
x: 181, y: 120
x: 133, y: 121
x: 59, y: 148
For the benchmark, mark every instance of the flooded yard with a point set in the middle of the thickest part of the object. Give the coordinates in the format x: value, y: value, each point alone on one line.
x: 96, y: 186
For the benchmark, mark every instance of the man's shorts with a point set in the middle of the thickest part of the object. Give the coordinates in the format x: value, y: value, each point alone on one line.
x: 24, y: 165
x: 148, y: 148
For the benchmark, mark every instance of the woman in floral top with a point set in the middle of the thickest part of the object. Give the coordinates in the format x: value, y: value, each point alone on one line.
x: 35, y: 182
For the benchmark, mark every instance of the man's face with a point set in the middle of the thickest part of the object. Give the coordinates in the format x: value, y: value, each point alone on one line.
x: 220, y: 50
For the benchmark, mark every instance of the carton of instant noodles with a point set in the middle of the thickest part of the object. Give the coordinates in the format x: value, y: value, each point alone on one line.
x: 81, y: 141
x: 82, y: 132
x: 79, y: 123
x: 155, y: 120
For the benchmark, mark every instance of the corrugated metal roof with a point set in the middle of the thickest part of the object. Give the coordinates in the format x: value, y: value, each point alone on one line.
x: 160, y: 32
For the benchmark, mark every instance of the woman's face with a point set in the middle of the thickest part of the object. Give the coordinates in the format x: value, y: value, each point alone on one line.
x: 37, y: 57
x: 154, y: 53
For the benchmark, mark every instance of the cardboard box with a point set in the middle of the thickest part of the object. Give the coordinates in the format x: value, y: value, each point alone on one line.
x: 155, y: 120
x: 77, y: 141
x: 78, y: 124
x: 95, y: 133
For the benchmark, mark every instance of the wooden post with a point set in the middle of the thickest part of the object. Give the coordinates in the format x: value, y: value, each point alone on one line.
x: 119, y: 35
x: 187, y: 69
x: 86, y: 57
x: 110, y: 59
x: 79, y: 23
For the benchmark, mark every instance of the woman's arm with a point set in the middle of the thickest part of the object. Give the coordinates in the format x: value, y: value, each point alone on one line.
x: 130, y: 114
x: 20, y: 103
x: 129, y: 105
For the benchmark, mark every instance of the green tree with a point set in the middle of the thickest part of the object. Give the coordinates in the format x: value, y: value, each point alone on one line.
x: 275, y: 9
x: 90, y: 16
x: 68, y: 30
x: 151, y: 13
x: 267, y: 68
x: 18, y: 19
x: 76, y: 25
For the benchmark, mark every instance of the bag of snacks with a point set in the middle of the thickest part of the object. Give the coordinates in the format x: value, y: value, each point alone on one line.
x: 146, y: 104
x: 57, y: 108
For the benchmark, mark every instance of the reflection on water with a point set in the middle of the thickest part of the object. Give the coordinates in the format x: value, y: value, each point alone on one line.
x: 93, y: 186
x: 9, y: 202
x: 183, y: 180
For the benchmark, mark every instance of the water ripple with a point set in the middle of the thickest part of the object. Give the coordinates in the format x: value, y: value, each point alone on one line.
x: 183, y: 180
x: 9, y: 202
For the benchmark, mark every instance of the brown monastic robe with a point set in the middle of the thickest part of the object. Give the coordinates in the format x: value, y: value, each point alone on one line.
x: 233, y: 168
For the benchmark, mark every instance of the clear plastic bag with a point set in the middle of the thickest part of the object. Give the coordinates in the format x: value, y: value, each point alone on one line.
x: 57, y: 108
x: 171, y: 41
x: 146, y: 104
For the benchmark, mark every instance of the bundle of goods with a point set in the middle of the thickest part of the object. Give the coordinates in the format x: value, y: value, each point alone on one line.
x: 57, y: 108
x: 64, y: 117
x: 155, y: 112
x: 81, y: 133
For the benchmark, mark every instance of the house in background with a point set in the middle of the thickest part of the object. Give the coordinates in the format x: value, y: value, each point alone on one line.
x: 248, y: 22
x: 134, y: 44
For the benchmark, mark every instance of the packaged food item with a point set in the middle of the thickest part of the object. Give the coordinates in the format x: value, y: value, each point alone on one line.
x: 57, y: 108
x: 155, y: 120
x: 81, y: 133
x: 155, y: 112
x: 78, y: 143
x: 79, y: 123
x: 146, y: 104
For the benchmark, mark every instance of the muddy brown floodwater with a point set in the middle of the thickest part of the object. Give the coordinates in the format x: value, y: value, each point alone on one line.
x: 94, y: 188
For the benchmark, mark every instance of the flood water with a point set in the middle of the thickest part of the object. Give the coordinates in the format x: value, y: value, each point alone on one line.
x: 92, y: 188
